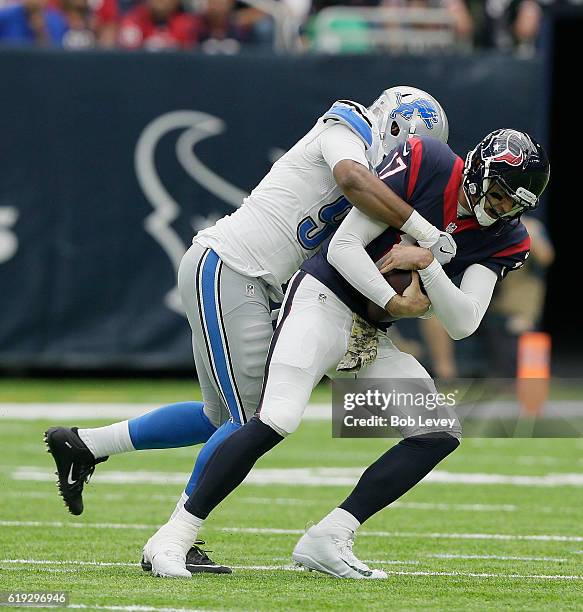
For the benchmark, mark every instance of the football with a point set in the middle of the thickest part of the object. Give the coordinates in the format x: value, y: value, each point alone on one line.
x: 399, y: 281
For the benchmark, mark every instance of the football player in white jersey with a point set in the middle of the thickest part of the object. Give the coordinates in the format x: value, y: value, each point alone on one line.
x: 231, y: 271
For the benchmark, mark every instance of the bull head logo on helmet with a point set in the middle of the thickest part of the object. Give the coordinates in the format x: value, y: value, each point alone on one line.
x: 505, y: 147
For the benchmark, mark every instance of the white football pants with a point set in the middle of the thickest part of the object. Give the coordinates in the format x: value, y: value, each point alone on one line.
x: 311, y: 338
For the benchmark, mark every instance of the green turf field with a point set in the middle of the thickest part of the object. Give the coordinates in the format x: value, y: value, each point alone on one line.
x: 142, y: 389
x: 161, y: 391
x: 445, y: 546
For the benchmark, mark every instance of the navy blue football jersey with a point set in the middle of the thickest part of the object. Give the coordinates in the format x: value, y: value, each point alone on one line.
x: 427, y: 174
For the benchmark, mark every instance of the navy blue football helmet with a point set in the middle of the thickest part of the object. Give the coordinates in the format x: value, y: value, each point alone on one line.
x: 513, y: 161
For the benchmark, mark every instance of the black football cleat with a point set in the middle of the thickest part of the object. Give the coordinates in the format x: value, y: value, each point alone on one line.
x: 197, y: 562
x: 75, y: 464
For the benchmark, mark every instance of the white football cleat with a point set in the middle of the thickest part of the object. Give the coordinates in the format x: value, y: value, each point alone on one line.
x: 329, y: 550
x: 166, y: 556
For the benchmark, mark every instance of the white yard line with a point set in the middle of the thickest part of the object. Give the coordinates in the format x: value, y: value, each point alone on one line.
x: 278, y: 501
x: 58, y: 411
x: 546, y: 480
x: 73, y: 525
x: 377, y: 561
x: 132, y: 608
x: 277, y: 531
x: 83, y: 411
x: 50, y: 570
x: 316, y: 477
x: 291, y: 501
x: 393, y: 561
x: 54, y: 562
x: 497, y: 558
x: 102, y: 496
x: 485, y: 575
x: 415, y: 534
x: 450, y: 507
x: 289, y: 568
x: 536, y: 460
x: 65, y: 412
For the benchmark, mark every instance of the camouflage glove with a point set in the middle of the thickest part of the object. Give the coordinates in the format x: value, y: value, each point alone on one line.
x: 362, y: 346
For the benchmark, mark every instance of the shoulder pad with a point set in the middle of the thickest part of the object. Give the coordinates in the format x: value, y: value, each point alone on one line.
x: 353, y: 115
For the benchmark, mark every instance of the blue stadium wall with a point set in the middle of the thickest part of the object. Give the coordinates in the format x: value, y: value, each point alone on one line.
x: 109, y: 163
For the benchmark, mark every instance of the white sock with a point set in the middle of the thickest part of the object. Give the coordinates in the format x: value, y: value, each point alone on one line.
x: 183, y: 499
x: 186, y: 519
x: 109, y: 440
x: 182, y: 529
x: 340, y: 519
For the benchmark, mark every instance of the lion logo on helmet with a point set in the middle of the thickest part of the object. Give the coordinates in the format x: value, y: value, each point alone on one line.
x: 425, y: 108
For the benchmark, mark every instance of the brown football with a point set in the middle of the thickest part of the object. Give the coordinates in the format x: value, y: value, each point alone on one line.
x: 399, y: 281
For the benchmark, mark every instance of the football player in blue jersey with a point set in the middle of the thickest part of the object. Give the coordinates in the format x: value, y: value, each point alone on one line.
x: 480, y: 203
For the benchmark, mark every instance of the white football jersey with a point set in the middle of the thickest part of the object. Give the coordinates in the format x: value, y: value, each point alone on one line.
x: 297, y: 205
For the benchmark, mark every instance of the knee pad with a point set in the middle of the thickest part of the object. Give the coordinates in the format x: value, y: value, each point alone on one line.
x: 283, y: 416
x: 285, y: 397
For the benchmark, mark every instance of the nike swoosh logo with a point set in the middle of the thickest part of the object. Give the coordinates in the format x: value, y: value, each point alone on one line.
x: 69, y: 477
x: 446, y: 252
x: 366, y: 573
x: 406, y: 151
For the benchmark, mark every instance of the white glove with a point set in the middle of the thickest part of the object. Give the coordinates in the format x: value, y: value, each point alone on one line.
x: 444, y: 249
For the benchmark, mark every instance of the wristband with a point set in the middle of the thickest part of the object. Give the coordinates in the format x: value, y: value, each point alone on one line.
x: 421, y: 230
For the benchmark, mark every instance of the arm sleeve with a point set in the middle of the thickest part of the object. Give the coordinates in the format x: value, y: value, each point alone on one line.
x: 339, y: 142
x: 346, y: 252
x: 459, y: 310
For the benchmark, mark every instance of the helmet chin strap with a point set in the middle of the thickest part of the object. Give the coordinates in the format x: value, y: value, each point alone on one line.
x: 381, y: 114
x: 381, y: 109
x: 413, y: 123
x: 384, y: 122
x: 384, y: 128
x: 381, y: 118
x: 482, y: 217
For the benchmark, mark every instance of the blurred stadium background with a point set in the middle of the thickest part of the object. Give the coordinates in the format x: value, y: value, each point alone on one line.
x: 128, y: 125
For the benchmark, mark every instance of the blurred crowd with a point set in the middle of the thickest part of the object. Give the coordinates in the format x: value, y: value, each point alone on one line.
x: 226, y: 26
x: 215, y: 26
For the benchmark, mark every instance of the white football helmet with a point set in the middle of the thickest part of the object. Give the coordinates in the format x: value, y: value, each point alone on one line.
x: 406, y: 111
